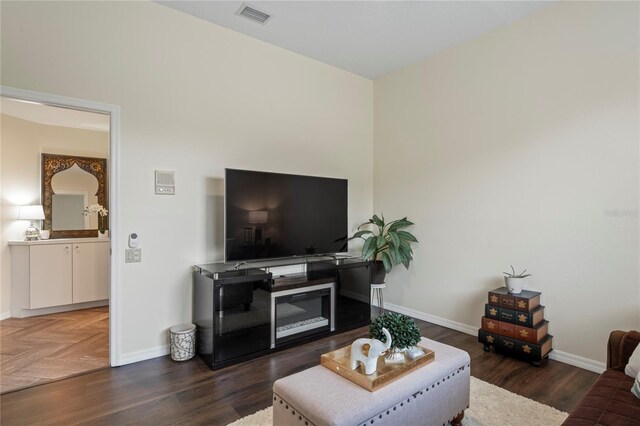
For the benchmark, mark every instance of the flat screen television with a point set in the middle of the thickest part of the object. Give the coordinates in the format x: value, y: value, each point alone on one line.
x: 275, y: 215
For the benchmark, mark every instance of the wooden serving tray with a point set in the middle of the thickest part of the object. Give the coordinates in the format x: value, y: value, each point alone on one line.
x: 339, y: 362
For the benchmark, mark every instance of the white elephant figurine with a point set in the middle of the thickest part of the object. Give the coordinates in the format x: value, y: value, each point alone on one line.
x: 376, y: 347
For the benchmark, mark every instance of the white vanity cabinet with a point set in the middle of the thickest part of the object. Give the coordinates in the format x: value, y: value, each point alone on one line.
x: 50, y: 273
x: 90, y: 272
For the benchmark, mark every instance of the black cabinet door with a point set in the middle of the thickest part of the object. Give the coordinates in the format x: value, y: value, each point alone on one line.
x: 242, y: 320
x: 353, y: 296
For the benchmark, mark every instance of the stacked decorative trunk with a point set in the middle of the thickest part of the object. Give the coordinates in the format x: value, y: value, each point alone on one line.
x: 515, y: 325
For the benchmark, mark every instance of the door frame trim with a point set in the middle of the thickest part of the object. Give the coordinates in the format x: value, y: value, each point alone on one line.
x: 115, y: 278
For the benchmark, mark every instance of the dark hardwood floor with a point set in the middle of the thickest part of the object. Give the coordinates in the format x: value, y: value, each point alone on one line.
x: 160, y: 391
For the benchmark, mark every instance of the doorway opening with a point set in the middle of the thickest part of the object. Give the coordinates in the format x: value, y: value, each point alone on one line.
x: 61, y: 319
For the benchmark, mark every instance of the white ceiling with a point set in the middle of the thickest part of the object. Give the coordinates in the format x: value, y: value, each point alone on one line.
x: 54, y: 116
x: 368, y: 38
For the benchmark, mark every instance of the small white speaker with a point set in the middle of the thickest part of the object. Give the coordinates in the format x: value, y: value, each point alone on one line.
x: 165, y: 182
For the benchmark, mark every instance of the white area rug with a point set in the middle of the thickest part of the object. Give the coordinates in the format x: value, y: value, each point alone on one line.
x: 490, y: 405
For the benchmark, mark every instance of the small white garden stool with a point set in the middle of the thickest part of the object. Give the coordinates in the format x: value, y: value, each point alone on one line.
x: 376, y: 294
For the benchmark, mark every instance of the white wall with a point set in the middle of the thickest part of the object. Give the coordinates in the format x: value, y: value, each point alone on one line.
x: 22, y: 142
x: 194, y: 98
x: 517, y: 148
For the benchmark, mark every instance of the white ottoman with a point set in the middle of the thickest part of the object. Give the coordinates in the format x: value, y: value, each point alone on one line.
x: 435, y: 394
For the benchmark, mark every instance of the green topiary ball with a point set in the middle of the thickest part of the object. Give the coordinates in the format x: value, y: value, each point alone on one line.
x: 404, y: 332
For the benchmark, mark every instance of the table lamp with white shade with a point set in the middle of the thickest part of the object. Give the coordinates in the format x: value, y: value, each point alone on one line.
x: 32, y: 213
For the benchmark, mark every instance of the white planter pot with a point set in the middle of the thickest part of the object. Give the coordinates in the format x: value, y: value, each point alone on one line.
x: 183, y: 342
x: 514, y: 285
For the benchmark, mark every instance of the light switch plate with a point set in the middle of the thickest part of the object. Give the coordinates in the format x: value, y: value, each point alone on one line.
x: 133, y: 255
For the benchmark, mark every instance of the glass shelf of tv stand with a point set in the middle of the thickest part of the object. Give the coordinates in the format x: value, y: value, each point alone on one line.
x: 243, y: 268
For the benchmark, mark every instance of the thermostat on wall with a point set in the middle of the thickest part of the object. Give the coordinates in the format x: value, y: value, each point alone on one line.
x: 165, y: 182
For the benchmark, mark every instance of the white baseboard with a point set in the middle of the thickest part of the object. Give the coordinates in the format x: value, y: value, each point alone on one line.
x: 25, y: 313
x: 560, y: 356
x: 143, y: 355
x: 5, y: 315
x: 578, y: 361
x: 458, y: 326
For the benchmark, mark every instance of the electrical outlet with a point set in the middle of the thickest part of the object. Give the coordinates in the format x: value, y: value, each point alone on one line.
x: 133, y: 255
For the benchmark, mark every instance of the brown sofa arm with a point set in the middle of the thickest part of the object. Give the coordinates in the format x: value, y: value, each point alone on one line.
x: 620, y: 347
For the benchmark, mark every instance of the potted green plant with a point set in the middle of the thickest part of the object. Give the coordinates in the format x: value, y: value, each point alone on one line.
x: 387, y: 245
x: 515, y: 282
x: 404, y: 334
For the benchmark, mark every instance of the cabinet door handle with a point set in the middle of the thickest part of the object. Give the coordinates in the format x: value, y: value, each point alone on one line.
x: 77, y: 247
x: 66, y: 247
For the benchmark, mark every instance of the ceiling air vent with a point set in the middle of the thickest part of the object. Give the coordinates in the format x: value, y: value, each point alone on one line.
x: 253, y: 14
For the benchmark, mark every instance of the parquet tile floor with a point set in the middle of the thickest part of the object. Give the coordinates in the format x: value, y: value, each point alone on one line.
x: 50, y: 347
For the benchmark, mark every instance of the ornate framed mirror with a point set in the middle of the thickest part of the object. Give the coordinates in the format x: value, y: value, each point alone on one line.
x: 69, y: 185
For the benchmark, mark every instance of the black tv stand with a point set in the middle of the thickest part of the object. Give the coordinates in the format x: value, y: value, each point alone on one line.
x: 245, y: 311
